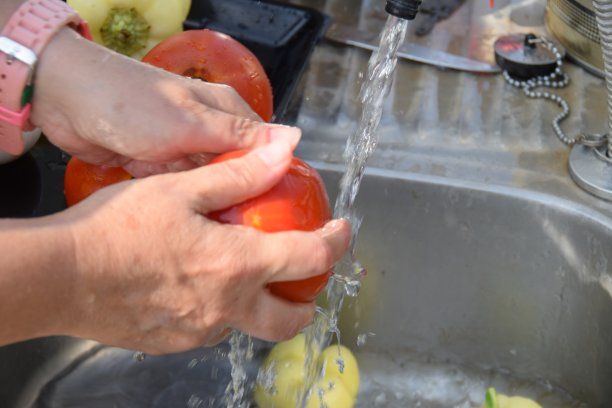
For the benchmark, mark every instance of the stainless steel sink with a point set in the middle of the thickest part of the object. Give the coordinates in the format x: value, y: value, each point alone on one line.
x: 468, y: 285
x: 466, y: 278
x: 486, y: 264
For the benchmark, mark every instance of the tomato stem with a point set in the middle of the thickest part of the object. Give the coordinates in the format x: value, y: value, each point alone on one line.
x: 125, y: 31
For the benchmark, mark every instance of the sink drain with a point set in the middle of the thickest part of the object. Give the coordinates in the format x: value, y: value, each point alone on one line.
x: 591, y: 169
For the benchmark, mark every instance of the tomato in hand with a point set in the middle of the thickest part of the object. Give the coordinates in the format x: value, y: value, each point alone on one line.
x: 298, y: 202
x: 83, y: 179
x: 218, y: 58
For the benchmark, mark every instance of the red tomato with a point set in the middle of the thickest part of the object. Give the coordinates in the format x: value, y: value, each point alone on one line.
x: 298, y: 202
x: 218, y: 58
x: 83, y: 179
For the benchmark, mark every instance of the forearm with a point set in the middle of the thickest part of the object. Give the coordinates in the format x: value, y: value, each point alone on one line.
x: 36, y: 278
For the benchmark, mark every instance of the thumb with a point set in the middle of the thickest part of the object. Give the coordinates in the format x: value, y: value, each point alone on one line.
x: 224, y: 184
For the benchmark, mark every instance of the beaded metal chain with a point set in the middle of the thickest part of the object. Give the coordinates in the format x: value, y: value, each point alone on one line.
x: 557, y: 79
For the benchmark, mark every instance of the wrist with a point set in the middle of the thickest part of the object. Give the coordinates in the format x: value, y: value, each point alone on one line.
x: 22, y: 40
x: 37, y: 278
x: 94, y: 260
x: 57, y: 77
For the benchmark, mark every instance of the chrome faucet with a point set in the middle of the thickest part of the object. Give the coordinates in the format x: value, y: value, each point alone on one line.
x: 406, y: 9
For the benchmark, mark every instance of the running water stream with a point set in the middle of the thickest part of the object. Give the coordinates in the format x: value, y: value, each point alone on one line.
x: 241, y: 351
x: 347, y: 273
x: 359, y: 148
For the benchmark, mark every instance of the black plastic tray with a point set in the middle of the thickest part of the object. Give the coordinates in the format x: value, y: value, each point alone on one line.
x: 282, y: 37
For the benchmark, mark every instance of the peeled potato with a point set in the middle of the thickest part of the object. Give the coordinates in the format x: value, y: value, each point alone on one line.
x: 335, y: 389
x: 504, y: 401
x: 333, y: 395
x: 516, y: 402
x: 288, y: 384
x: 289, y: 349
x: 350, y: 374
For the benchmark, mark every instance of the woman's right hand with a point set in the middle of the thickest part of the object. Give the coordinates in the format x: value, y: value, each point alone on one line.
x: 154, y: 274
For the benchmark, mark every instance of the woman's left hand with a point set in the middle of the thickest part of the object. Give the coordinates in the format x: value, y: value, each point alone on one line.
x: 109, y: 109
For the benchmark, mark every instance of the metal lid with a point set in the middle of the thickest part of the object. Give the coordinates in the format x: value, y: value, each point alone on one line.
x: 523, y: 58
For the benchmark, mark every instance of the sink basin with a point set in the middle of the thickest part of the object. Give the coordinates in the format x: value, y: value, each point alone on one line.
x: 468, y: 286
x: 476, y: 277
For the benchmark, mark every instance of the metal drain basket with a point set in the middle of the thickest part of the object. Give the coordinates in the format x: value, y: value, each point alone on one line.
x: 573, y: 24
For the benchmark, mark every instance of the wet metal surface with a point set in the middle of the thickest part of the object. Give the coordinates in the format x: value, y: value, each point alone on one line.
x: 448, y: 123
x: 346, y: 34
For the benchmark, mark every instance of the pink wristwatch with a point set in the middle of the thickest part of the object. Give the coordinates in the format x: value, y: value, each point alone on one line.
x: 22, y: 40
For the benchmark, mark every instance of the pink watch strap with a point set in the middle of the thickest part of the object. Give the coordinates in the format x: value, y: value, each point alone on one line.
x: 32, y: 26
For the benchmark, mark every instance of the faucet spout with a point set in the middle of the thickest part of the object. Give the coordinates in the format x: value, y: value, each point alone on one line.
x: 406, y: 9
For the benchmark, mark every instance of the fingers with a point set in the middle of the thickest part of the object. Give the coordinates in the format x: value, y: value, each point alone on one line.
x: 223, y: 98
x: 223, y: 184
x: 284, y: 256
x: 275, y: 319
x: 223, y: 121
x: 296, y: 255
x: 141, y: 169
x: 219, y: 132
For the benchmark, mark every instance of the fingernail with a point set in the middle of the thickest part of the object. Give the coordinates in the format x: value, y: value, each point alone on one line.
x: 274, y: 153
x: 217, y: 337
x: 338, y: 234
x: 333, y: 226
x: 289, y: 134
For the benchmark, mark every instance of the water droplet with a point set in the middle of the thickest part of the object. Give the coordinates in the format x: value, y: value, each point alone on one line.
x: 266, y: 378
x: 352, y: 288
x: 358, y: 269
x: 140, y: 356
x: 340, y: 363
x: 195, y: 402
x: 380, y: 400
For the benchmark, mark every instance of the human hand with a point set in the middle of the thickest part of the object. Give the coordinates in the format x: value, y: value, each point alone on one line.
x: 154, y: 274
x: 109, y: 109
